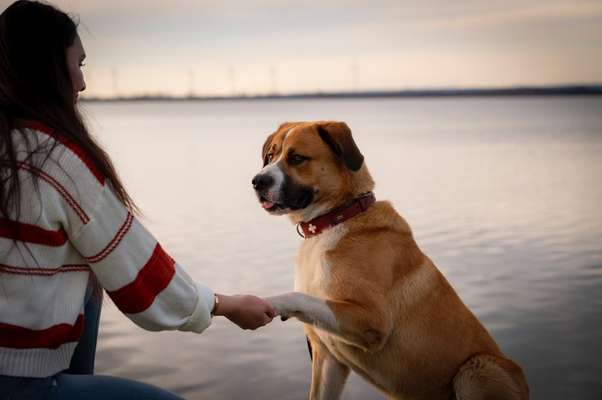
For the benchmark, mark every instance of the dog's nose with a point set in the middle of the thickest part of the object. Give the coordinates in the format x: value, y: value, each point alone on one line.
x: 261, y: 182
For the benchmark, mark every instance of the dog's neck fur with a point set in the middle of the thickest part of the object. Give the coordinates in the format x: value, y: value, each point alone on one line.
x: 355, y: 184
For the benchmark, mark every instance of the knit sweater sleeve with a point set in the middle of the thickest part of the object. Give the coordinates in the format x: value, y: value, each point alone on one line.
x: 143, y: 281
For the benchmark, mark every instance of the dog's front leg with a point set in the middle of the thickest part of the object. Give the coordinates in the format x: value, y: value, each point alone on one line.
x: 361, y: 326
x: 328, y: 376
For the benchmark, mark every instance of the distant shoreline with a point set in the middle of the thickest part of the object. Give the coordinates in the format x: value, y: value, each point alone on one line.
x: 567, y: 90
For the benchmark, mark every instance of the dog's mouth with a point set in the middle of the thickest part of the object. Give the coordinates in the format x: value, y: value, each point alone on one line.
x: 272, y: 206
x: 279, y: 208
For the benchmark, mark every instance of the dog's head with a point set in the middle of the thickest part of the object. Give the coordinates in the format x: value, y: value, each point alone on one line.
x: 309, y: 168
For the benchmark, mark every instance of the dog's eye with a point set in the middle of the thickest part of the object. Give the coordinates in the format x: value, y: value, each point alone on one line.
x: 268, y: 159
x: 296, y: 159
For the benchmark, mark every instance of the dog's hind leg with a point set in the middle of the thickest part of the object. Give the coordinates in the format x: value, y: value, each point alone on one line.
x: 489, y: 377
x: 328, y: 376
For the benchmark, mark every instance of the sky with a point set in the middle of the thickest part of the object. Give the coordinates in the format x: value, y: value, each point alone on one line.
x: 225, y: 47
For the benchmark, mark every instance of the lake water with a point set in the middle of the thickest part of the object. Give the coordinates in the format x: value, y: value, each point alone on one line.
x: 504, y: 195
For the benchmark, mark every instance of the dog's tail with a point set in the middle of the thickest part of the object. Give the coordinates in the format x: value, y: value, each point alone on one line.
x: 486, y: 376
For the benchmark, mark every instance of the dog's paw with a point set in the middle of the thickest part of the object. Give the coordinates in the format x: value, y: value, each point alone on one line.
x: 283, y: 306
x: 290, y: 314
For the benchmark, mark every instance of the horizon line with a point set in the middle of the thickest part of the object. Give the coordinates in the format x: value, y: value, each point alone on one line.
x: 522, y: 90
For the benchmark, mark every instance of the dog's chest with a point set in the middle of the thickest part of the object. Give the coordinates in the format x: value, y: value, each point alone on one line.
x: 313, y: 272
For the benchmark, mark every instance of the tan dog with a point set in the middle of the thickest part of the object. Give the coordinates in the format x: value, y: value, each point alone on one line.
x: 371, y: 301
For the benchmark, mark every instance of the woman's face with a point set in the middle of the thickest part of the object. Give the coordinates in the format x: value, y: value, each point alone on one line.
x: 75, y: 61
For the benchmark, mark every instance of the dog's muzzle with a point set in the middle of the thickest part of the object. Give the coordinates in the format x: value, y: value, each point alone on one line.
x: 288, y: 196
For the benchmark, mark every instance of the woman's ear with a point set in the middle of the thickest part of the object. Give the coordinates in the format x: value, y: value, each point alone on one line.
x: 337, y: 136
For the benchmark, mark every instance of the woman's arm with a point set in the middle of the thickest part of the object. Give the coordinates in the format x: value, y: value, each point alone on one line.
x: 143, y: 281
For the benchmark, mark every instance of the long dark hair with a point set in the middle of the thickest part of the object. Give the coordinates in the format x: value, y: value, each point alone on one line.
x: 35, y: 85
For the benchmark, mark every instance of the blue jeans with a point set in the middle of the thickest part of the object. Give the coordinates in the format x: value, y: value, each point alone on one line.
x: 78, y: 381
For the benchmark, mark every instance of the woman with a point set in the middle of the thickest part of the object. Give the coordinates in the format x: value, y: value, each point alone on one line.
x: 67, y: 229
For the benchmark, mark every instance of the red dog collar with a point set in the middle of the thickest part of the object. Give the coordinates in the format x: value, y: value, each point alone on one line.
x: 336, y: 216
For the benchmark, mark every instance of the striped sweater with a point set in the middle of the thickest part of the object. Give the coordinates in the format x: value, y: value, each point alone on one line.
x: 71, y: 225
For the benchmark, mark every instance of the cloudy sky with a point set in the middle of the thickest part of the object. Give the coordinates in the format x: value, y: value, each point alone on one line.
x: 261, y: 46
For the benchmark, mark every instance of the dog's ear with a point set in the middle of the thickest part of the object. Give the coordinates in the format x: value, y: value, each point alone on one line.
x: 337, y: 136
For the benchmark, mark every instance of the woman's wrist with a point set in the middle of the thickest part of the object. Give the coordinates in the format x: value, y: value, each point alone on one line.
x: 215, y: 305
x: 221, y: 305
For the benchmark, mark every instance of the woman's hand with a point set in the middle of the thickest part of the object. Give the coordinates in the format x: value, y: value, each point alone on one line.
x: 246, y: 311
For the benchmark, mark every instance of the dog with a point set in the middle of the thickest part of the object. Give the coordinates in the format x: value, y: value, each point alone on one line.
x: 371, y: 301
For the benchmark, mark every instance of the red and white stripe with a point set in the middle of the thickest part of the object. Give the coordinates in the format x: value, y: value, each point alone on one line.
x: 18, y: 337
x: 59, y: 188
x: 115, y: 241
x: 78, y: 151
x: 29, y: 233
x: 151, y: 280
x: 7, y: 269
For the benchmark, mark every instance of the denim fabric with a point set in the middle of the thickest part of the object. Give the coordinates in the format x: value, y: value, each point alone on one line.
x: 78, y: 387
x: 82, y: 362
